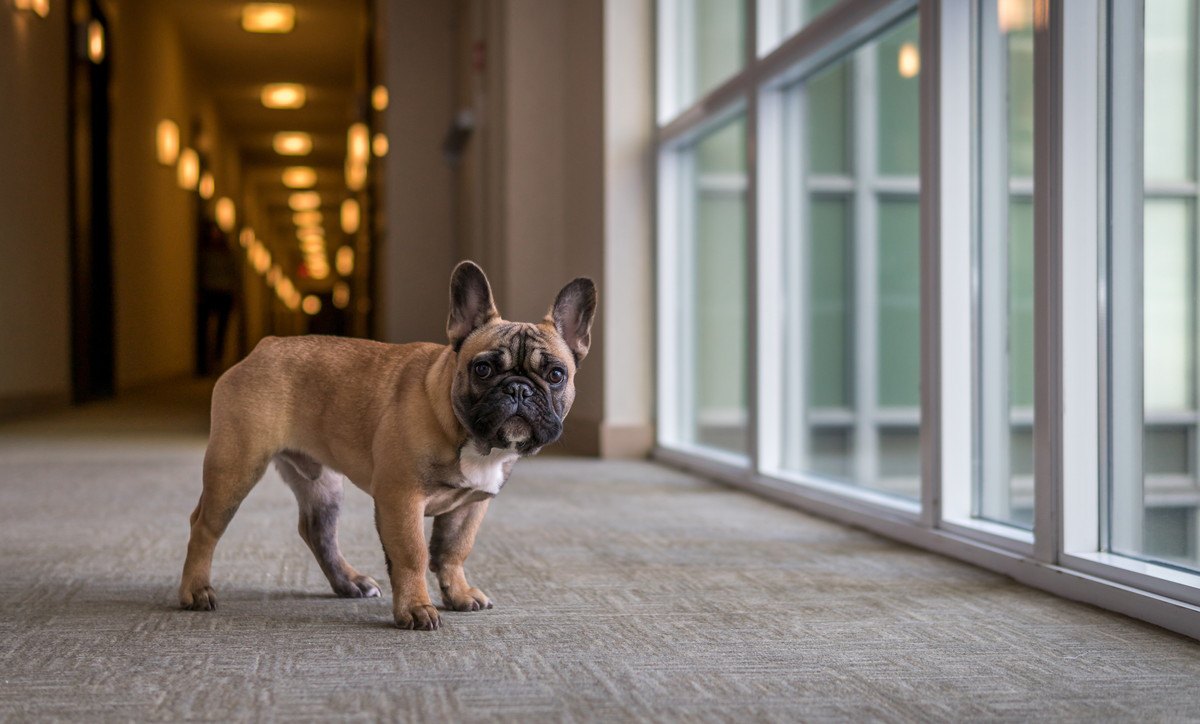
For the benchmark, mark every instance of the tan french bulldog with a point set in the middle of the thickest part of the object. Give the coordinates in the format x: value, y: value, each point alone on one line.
x: 425, y: 429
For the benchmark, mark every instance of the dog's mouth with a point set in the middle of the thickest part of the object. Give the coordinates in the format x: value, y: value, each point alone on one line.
x: 516, y: 431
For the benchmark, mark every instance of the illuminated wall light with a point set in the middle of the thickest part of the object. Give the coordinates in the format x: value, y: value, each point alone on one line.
x: 187, y: 172
x: 299, y: 177
x: 166, y: 142
x: 312, y: 304
x: 95, y: 40
x: 284, y: 95
x: 344, y: 261
x: 246, y: 238
x: 358, y: 142
x: 268, y: 18
x: 304, y: 201
x: 356, y: 175
x: 307, y: 218
x: 379, y: 98
x: 351, y: 216
x: 226, y: 214
x: 292, y: 143
x: 909, y: 60
x: 1013, y: 15
x: 208, y: 185
x: 379, y: 145
x: 341, y: 295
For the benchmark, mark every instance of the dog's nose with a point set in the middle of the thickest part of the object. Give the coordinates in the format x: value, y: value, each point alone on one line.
x: 518, y: 389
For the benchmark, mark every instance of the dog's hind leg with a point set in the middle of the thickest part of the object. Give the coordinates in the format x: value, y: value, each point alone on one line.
x: 229, y: 475
x: 318, y: 491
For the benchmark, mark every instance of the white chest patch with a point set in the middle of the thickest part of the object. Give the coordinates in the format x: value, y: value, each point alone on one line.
x: 484, y: 472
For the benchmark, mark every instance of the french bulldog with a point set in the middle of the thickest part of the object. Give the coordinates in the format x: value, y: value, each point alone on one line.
x: 425, y: 429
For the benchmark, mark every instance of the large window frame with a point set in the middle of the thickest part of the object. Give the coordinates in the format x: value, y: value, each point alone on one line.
x: 1073, y: 193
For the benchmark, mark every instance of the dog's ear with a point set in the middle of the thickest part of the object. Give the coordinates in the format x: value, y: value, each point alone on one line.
x: 471, y: 304
x: 572, y: 315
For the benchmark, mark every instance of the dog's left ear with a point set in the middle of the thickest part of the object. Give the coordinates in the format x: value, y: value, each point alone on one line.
x: 471, y: 304
x: 572, y: 315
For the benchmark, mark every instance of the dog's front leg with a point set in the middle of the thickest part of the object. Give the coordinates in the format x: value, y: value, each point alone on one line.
x: 400, y: 518
x: 453, y: 538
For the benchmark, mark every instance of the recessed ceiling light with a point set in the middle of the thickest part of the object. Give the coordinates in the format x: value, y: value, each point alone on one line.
x: 304, y: 201
x: 292, y: 143
x: 299, y: 177
x: 268, y: 17
x: 284, y: 95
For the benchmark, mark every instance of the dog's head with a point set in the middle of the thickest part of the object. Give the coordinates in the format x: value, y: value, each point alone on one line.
x: 514, y: 382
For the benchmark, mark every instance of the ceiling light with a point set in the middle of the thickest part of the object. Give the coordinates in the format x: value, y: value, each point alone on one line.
x: 379, y: 145
x: 226, y: 214
x: 379, y: 98
x: 95, y: 40
x: 208, y: 186
x: 344, y: 261
x: 351, y: 216
x: 358, y: 142
x: 292, y: 143
x: 268, y: 17
x: 307, y: 218
x: 299, y: 177
x: 166, y: 142
x: 304, y: 201
x: 187, y: 173
x: 284, y: 95
x: 909, y: 61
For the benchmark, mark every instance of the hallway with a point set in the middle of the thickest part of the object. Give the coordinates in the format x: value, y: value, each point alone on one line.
x: 623, y: 590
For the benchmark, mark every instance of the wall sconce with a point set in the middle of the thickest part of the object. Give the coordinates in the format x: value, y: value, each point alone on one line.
x: 351, y: 216
x: 166, y: 142
x: 292, y: 143
x: 299, y: 177
x: 358, y: 142
x: 284, y: 95
x: 226, y: 214
x: 40, y: 7
x: 379, y: 145
x: 208, y: 186
x: 95, y: 42
x: 344, y: 261
x: 187, y: 173
x: 304, y: 201
x: 379, y: 98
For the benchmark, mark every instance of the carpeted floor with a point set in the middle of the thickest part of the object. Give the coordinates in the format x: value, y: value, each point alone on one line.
x: 623, y: 591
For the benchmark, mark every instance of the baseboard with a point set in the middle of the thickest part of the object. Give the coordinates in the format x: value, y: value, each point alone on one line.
x: 14, y: 406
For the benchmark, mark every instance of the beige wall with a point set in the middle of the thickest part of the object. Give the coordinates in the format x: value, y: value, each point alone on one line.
x: 153, y: 219
x: 34, y: 296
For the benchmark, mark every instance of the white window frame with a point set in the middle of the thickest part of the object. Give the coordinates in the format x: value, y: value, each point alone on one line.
x: 1063, y: 553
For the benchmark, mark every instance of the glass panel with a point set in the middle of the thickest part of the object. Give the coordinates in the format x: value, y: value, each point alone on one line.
x: 1004, y: 261
x: 710, y: 36
x: 717, y: 346
x: 851, y: 274
x: 1169, y: 124
x: 780, y: 19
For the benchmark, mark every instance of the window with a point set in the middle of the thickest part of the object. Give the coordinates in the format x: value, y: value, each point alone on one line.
x: 911, y: 279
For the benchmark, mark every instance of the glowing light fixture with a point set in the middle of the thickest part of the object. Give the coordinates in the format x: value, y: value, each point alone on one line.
x: 273, y: 276
x: 304, y: 201
x: 356, y: 174
x: 318, y: 272
x: 307, y: 218
x: 226, y: 214
x: 246, y: 238
x: 208, y: 186
x: 312, y: 304
x: 1014, y: 15
x: 379, y: 145
x: 379, y: 98
x: 95, y: 41
x: 41, y: 7
x: 187, y: 172
x: 344, y: 261
x: 268, y: 17
x: 284, y: 95
x: 909, y: 60
x: 299, y: 177
x: 166, y: 142
x: 341, y: 295
x: 351, y: 216
x: 292, y: 143
x: 358, y: 142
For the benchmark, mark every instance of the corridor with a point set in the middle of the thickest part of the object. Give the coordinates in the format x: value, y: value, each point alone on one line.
x: 623, y: 591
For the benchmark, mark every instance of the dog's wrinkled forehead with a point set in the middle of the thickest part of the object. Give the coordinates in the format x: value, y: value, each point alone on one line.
x: 519, y: 345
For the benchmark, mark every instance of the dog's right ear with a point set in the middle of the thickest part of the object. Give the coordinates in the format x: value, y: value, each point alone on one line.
x: 471, y: 304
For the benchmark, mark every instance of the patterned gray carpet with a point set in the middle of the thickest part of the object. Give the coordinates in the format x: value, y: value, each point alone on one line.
x: 623, y: 591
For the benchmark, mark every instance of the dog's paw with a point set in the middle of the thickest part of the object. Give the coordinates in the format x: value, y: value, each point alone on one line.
x: 472, y: 599
x: 421, y: 617
x: 358, y: 587
x: 198, y: 598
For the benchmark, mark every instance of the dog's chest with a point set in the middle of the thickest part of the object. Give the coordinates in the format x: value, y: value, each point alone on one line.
x: 485, y: 473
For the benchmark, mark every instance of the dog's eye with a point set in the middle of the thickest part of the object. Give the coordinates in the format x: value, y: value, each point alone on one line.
x: 556, y: 376
x: 482, y: 370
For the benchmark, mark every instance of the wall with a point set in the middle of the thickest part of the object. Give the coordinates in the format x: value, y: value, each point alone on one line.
x: 154, y: 255
x: 34, y: 296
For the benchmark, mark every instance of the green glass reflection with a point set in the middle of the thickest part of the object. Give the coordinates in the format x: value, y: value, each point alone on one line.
x: 1169, y: 123
x: 899, y: 336
x: 1020, y: 303
x: 897, y: 60
x: 830, y: 302
x: 827, y: 96
x: 719, y: 44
